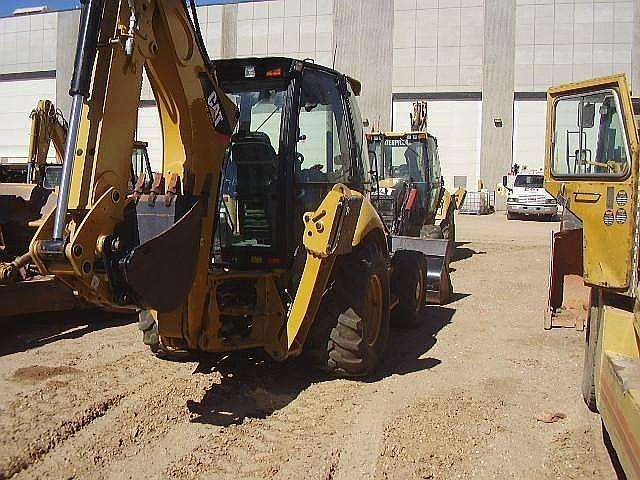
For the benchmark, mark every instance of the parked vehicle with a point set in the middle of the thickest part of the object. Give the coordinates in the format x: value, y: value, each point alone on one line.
x: 528, y: 197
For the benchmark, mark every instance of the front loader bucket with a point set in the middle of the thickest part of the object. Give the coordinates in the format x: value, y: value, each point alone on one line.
x: 160, y: 271
x: 436, y: 252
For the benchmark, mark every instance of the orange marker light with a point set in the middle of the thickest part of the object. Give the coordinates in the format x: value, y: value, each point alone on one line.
x: 275, y: 72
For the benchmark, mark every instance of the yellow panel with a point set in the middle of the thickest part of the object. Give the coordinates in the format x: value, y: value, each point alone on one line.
x: 608, y: 249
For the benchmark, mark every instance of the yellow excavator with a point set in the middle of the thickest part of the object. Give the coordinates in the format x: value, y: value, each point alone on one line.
x: 258, y: 233
x: 591, y: 167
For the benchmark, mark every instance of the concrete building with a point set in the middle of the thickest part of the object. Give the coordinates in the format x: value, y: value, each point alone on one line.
x: 484, y: 65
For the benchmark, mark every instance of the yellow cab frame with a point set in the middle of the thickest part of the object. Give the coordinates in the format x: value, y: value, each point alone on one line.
x: 602, y: 192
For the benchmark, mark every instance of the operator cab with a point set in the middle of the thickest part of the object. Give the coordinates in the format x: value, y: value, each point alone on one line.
x: 299, y: 133
x: 406, y: 160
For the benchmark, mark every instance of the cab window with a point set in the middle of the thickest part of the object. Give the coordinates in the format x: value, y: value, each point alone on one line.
x: 435, y: 173
x: 322, y: 148
x: 589, y: 137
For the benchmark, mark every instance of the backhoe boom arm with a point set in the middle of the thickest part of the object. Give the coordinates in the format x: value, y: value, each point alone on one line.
x: 98, y: 240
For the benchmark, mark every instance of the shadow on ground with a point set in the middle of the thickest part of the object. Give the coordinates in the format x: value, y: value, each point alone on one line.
x: 21, y: 333
x: 254, y: 386
x: 462, y: 253
x: 535, y: 218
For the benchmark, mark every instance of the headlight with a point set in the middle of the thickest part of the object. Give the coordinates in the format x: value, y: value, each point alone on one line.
x: 550, y: 201
x: 512, y: 199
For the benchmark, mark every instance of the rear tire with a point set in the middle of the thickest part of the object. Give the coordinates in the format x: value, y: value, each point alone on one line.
x: 511, y: 216
x: 408, y: 283
x: 592, y: 334
x: 350, y: 334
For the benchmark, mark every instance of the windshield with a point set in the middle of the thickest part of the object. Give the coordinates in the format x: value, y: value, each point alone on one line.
x: 249, y: 185
x: 529, y: 181
x: 403, y: 159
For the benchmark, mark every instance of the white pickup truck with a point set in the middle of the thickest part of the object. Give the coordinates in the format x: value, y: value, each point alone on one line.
x: 528, y: 197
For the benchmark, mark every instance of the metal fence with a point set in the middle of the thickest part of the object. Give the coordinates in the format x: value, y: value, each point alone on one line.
x: 479, y: 203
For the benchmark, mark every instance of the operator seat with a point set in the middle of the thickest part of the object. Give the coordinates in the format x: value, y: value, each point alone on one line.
x: 257, y: 170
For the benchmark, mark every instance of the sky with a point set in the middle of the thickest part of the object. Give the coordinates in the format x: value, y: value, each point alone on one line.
x: 8, y: 6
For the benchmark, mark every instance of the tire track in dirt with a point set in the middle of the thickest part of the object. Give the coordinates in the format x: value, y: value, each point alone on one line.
x: 295, y: 439
x: 46, y: 419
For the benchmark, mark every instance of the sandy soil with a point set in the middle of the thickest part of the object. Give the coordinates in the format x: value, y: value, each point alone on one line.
x: 80, y: 396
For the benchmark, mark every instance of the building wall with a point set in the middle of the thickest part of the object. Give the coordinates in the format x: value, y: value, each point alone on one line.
x: 563, y: 41
x: 18, y: 98
x: 28, y: 43
x: 438, y: 45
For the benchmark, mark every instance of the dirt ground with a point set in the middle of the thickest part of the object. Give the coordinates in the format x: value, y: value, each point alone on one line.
x: 80, y: 396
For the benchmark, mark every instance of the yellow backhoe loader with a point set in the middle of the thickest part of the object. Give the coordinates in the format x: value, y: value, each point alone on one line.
x: 411, y: 198
x: 28, y: 193
x: 270, y: 243
x: 591, y: 168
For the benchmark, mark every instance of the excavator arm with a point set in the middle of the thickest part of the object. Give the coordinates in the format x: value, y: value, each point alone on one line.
x: 115, y: 250
x: 48, y: 126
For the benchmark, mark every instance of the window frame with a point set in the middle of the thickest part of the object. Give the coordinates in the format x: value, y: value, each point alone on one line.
x: 344, y: 134
x: 622, y: 116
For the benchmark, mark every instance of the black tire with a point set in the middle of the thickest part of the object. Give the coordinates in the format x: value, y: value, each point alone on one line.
x: 511, y: 216
x: 431, y: 231
x: 592, y: 334
x: 408, y: 283
x: 342, y: 340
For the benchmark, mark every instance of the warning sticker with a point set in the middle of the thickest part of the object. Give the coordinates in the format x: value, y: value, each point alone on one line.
x: 621, y: 216
x: 622, y: 198
x: 609, y: 217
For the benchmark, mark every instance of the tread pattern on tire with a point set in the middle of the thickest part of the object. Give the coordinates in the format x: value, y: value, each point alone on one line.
x: 407, y: 264
x: 336, y: 341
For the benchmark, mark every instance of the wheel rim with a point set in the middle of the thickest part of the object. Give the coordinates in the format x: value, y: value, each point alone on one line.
x: 373, y: 310
x: 419, y: 291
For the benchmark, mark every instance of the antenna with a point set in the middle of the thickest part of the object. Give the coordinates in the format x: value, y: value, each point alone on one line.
x: 335, y: 51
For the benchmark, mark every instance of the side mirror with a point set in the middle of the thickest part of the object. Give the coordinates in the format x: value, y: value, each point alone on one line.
x: 365, y: 123
x: 504, y: 180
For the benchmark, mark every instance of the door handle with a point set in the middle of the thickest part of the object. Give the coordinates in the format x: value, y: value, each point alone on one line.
x: 586, y: 197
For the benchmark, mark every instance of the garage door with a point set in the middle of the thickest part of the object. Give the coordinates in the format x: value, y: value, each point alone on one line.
x: 457, y: 126
x: 529, y: 124
x: 18, y: 98
x: 149, y: 131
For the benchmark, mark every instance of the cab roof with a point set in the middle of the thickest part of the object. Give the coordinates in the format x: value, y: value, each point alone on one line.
x: 233, y: 69
x: 422, y: 135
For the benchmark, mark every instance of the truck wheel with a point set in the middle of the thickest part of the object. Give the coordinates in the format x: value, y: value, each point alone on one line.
x: 432, y: 231
x: 408, y: 284
x: 351, y: 330
x: 592, y: 334
x: 511, y: 216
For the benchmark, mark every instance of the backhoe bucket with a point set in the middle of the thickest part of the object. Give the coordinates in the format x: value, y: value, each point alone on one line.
x: 167, y: 254
x: 437, y: 253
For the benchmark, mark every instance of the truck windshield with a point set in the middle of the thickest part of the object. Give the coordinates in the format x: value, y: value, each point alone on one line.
x: 529, y: 181
x: 404, y: 159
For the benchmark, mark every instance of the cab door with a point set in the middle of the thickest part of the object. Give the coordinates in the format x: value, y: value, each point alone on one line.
x: 591, y: 167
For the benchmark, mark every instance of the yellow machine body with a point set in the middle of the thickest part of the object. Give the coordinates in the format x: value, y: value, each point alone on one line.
x: 602, y: 192
x: 166, y: 47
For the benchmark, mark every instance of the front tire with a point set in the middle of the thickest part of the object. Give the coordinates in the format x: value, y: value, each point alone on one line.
x: 350, y: 333
x: 408, y: 283
x: 592, y: 335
